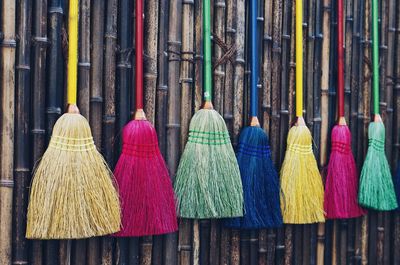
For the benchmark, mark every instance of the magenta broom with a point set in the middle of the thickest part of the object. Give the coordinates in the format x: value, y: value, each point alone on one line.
x: 147, y: 197
x: 341, y: 186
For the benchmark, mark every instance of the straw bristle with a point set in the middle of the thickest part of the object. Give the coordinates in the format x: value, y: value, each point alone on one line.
x: 260, y: 182
x: 147, y: 197
x: 73, y: 193
x: 397, y: 183
x: 208, y: 183
x: 302, y: 194
x: 341, y: 186
x: 376, y: 184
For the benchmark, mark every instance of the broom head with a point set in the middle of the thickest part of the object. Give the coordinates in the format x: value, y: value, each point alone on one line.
x: 72, y: 193
x: 376, y: 184
x: 302, y: 189
x: 146, y: 193
x: 397, y: 183
x: 341, y: 186
x: 208, y: 183
x: 260, y: 182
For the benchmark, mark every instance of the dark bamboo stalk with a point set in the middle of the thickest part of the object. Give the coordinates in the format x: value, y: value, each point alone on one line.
x: 109, y: 115
x: 96, y: 71
x: 239, y: 72
x: 162, y: 85
x: 84, y: 58
x: 230, y: 33
x: 54, y: 95
x: 215, y: 233
x: 151, y: 28
x: 22, y: 138
x: 219, y: 71
x: 38, y: 132
x: 124, y: 88
x: 204, y: 242
x: 96, y: 97
x: 185, y: 244
x: 7, y: 94
x: 173, y: 110
x: 244, y: 247
x: 225, y: 246
x: 198, y: 64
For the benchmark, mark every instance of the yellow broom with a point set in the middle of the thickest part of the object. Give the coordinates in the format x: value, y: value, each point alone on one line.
x: 73, y: 193
x: 302, y: 194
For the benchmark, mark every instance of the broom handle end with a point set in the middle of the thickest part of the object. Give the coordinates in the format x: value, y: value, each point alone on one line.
x: 254, y: 122
x: 342, y: 121
x: 300, y: 121
x: 139, y: 115
x: 377, y: 118
x: 73, y: 109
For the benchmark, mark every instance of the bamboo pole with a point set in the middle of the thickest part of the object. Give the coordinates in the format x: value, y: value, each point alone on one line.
x: 7, y: 92
x: 198, y: 64
x: 173, y: 111
x: 151, y: 9
x: 38, y: 132
x: 123, y: 89
x: 365, y: 110
x: 186, y: 86
x: 266, y: 64
x: 54, y: 93
x: 162, y: 85
x: 96, y: 97
x: 204, y: 242
x: 109, y: 116
x: 22, y: 138
x: 219, y: 71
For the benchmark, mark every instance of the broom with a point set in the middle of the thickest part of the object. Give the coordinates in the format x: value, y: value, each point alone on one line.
x: 72, y: 193
x: 302, y: 189
x: 259, y: 176
x: 147, y: 196
x: 342, y: 181
x: 376, y: 184
x: 208, y: 181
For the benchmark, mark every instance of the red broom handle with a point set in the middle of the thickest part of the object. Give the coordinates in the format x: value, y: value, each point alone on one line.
x: 139, y: 54
x: 340, y: 60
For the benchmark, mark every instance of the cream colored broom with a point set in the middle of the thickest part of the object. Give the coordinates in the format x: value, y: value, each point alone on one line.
x: 73, y: 194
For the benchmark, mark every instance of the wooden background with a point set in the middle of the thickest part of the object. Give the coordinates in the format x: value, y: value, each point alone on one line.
x: 32, y: 98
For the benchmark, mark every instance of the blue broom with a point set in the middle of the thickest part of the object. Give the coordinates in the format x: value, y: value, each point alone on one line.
x: 260, y: 179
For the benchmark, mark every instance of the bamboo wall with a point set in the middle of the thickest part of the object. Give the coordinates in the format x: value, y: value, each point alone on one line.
x: 33, y: 38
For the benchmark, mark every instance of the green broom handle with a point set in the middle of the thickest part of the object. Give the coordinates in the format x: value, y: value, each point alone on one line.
x: 207, y: 52
x: 375, y: 56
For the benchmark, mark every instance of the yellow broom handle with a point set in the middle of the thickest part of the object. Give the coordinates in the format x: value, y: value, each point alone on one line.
x: 299, y: 58
x: 72, y: 51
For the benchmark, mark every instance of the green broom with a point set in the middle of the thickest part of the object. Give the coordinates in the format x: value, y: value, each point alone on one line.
x: 376, y: 184
x: 208, y: 183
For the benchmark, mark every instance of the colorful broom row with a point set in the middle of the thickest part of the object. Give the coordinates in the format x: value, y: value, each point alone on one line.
x: 73, y: 193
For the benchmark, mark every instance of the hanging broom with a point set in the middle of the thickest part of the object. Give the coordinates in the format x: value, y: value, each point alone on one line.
x: 302, y: 189
x: 73, y: 193
x: 259, y: 176
x: 208, y: 181
x: 342, y: 181
x: 147, y: 196
x: 376, y: 184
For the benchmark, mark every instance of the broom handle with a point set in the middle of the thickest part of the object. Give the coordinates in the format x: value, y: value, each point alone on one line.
x: 72, y: 51
x: 254, y: 59
x: 207, y: 52
x: 139, y: 54
x: 299, y: 58
x: 340, y: 60
x: 375, y: 56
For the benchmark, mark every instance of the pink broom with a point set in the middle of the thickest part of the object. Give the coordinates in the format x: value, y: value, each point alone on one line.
x: 147, y: 197
x: 342, y: 180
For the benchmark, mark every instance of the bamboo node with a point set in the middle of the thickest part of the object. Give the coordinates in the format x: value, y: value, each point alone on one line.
x: 6, y: 183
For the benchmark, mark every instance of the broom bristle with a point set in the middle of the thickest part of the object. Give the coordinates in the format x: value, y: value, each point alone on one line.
x: 73, y: 193
x: 397, y: 183
x: 302, y: 194
x: 260, y: 182
x: 341, y: 186
x: 147, y: 196
x: 208, y: 183
x: 376, y: 184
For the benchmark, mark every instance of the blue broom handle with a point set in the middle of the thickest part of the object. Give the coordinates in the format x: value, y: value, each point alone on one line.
x: 254, y: 59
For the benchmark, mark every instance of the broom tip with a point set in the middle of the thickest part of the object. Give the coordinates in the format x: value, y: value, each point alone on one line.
x: 377, y: 118
x: 73, y: 109
x: 139, y: 115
